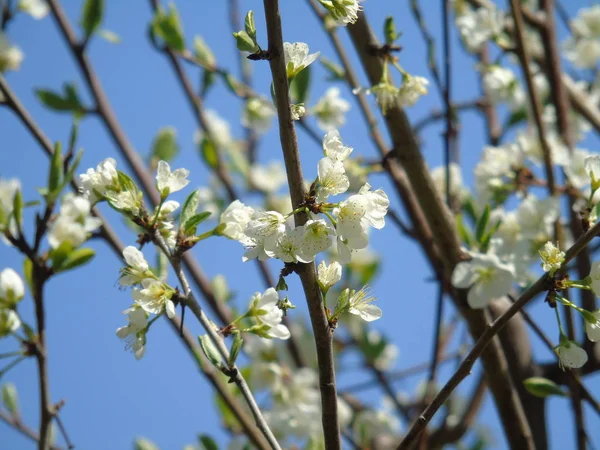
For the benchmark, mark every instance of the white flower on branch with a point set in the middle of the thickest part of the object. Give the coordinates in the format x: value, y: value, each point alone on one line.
x: 10, y: 55
x: 38, y: 9
x: 288, y: 246
x: 332, y: 178
x: 297, y: 57
x: 412, y: 89
x: 486, y: 276
x: 269, y: 178
x: 168, y: 182
x: 258, y: 114
x: 154, y: 297
x: 334, y: 148
x: 360, y: 304
x: 137, y: 267
x: 9, y: 322
x: 74, y: 223
x: 592, y: 325
x: 235, y: 219
x: 95, y: 182
x: 328, y: 275
x: 583, y: 48
x: 570, y: 355
x: 592, y: 168
x: 8, y: 190
x: 501, y: 85
x: 456, y: 181
x: 478, y: 26
x: 268, y: 313
x: 343, y: 11
x: 134, y: 332
x: 12, y: 289
x: 552, y: 258
x: 330, y: 110
x: 318, y: 237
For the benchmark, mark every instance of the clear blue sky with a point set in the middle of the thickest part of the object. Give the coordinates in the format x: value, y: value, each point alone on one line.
x: 110, y: 397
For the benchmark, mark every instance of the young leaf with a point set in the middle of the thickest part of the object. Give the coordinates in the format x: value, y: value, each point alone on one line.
x: 207, y: 442
x: 336, y: 72
x: 28, y: 273
x: 249, y: 25
x: 91, y: 16
x: 189, y: 207
x: 56, y: 171
x: 464, y: 234
x: 542, y: 387
x: 109, y: 36
x: 300, y: 85
x: 76, y: 259
x: 210, y: 351
x: 245, y: 43
x: 389, y: 31
x: 209, y: 153
x: 18, y: 208
x: 482, y: 224
x: 204, y: 54
x: 168, y: 27
x: 165, y: 144
x: 192, y: 223
x: 10, y: 398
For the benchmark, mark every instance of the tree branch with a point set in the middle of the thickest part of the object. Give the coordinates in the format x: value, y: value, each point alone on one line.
x: 322, y: 331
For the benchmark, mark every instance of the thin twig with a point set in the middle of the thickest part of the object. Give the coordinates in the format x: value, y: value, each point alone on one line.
x: 22, y: 428
x: 322, y: 331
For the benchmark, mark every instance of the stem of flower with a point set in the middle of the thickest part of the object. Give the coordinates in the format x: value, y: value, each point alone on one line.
x: 330, y: 217
x: 12, y: 364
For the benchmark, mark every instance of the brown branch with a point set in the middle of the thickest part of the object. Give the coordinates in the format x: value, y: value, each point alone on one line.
x: 438, y: 218
x: 541, y: 285
x: 323, y: 333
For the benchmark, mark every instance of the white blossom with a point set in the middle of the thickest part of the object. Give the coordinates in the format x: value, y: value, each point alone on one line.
x: 268, y: 313
x: 168, y: 182
x: 576, y: 170
x: 552, y: 258
x: 235, y: 219
x: 570, y: 355
x: 220, y: 131
x: 10, y: 55
x: 537, y: 217
x: 478, y: 26
x: 269, y: 178
x: 332, y: 178
x: 298, y: 111
x: 12, y: 289
x: 95, y: 182
x: 258, y: 114
x: 74, y: 223
x: 266, y: 225
x: 133, y: 333
x: 501, y: 85
x: 595, y: 278
x: 592, y: 168
x: 8, y: 190
x: 486, y: 276
x: 129, y: 201
x: 297, y: 57
x: 343, y: 11
x: 592, y: 328
x: 137, y: 267
x: 456, y: 182
x: 330, y: 110
x: 288, y: 246
x: 411, y: 90
x: 328, y: 275
x: 318, y: 237
x: 9, y: 322
x: 360, y: 304
x: 583, y: 48
x: 334, y: 148
x: 38, y: 9
x: 386, y: 95
x: 154, y: 297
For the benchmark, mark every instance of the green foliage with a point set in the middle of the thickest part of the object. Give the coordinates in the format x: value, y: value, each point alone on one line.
x: 300, y: 85
x: 10, y: 399
x: 91, y: 16
x: 75, y: 259
x: 209, y: 153
x: 67, y: 102
x: 389, y: 31
x: 165, y: 145
x: 542, y: 387
x: 167, y: 26
x: 192, y: 223
x: 207, y: 443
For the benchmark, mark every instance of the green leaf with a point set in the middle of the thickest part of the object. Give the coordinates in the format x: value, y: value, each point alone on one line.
x: 76, y: 259
x: 482, y: 224
x: 336, y: 72
x: 300, y: 85
x: 236, y: 348
x: 56, y: 171
x: 10, y: 398
x: 192, y: 223
x: 204, y: 54
x: 189, y: 207
x: 18, y: 208
x: 389, y: 31
x: 165, y: 144
x: 208, y: 80
x: 542, y: 387
x: 245, y: 43
x: 516, y: 118
x: 68, y: 102
x: 28, y: 273
x: 207, y: 442
x: 209, y: 153
x: 91, y: 16
x: 59, y: 254
x: 168, y: 27
x: 249, y: 25
x: 209, y: 350
x: 463, y: 232
x: 109, y: 36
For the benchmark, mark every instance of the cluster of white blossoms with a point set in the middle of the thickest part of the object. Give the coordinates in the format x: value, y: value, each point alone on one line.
x: 330, y: 110
x: 12, y: 291
x: 343, y: 11
x: 477, y: 26
x: 150, y: 296
x: 583, y: 47
x: 389, y: 96
x: 267, y: 234
x: 74, y: 224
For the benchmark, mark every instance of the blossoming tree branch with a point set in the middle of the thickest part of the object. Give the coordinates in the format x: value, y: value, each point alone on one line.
x: 523, y: 231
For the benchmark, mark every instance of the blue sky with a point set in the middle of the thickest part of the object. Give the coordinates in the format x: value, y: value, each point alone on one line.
x: 110, y: 397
